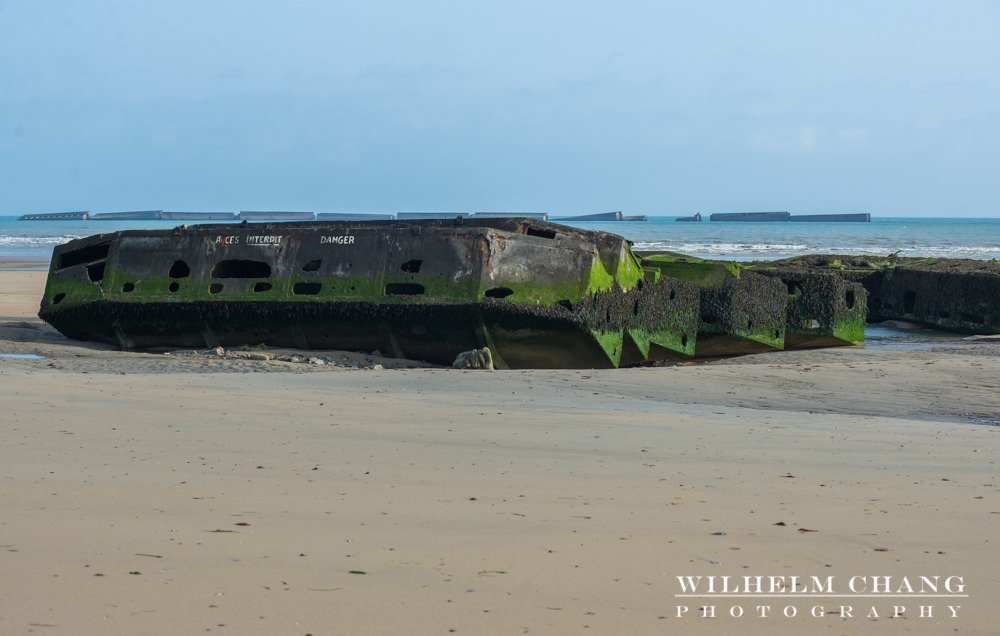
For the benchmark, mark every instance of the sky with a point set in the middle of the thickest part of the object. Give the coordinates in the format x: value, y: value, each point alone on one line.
x: 661, y: 108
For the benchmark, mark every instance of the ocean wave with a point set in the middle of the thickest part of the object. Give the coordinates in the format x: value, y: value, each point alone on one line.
x: 35, y: 241
x: 779, y: 250
x: 720, y: 248
x: 770, y: 247
x: 979, y: 245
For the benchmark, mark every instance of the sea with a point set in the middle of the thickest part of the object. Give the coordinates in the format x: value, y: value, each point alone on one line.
x: 977, y: 238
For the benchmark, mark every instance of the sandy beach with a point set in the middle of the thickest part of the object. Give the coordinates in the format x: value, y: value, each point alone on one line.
x: 184, y: 492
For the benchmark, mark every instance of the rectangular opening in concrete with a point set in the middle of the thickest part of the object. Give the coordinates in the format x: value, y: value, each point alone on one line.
x: 236, y: 268
x: 84, y: 255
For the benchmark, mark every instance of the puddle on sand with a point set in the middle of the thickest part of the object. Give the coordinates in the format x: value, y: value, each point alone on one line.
x: 21, y: 356
x: 896, y: 334
x: 987, y: 421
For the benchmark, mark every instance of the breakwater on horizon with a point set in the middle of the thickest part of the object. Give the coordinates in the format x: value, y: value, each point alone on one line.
x: 925, y: 237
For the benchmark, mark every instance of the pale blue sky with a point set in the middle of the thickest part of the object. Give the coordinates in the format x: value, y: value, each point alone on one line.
x: 891, y: 107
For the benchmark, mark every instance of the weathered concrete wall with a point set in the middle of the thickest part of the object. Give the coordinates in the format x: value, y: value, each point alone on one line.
x: 824, y: 309
x: 959, y: 301
x: 740, y: 311
x: 745, y: 315
x: 537, y: 294
x: 954, y: 294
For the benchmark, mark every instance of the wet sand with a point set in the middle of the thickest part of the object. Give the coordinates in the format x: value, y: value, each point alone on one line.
x: 153, y: 493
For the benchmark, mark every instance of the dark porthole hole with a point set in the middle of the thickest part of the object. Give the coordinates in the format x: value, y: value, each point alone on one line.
x: 794, y: 287
x: 565, y: 304
x: 179, y: 269
x: 95, y: 272
x: 673, y: 294
x: 777, y: 333
x: 262, y: 287
x: 127, y: 287
x: 174, y: 286
x: 749, y: 324
x: 499, y: 292
x: 58, y: 298
x: 635, y: 308
x: 84, y: 255
x: 306, y: 289
x: 312, y: 266
x: 850, y: 299
x: 215, y: 288
x: 403, y: 289
x: 684, y: 340
x: 352, y: 287
x: 411, y: 267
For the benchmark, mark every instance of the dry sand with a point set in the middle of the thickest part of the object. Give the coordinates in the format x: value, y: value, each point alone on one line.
x: 186, y: 493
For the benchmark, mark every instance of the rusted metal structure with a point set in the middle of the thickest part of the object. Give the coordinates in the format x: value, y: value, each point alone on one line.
x: 537, y: 294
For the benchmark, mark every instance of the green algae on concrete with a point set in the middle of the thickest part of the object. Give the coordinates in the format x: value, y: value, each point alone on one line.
x: 536, y: 294
x: 740, y: 311
x: 824, y: 309
x: 701, y: 272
